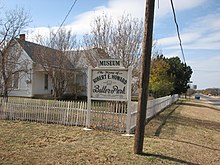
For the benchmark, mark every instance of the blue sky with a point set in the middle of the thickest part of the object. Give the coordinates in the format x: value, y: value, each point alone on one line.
x: 198, y: 22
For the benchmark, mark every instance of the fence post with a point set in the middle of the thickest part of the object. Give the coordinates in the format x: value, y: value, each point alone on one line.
x: 47, y: 108
x: 67, y: 112
x: 128, y: 121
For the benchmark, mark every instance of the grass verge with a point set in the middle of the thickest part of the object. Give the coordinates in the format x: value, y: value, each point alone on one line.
x: 185, y: 133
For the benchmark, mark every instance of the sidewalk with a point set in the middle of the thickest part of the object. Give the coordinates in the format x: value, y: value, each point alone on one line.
x: 189, y: 131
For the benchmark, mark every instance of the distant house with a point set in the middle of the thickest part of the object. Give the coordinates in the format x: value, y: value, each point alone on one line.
x: 35, y: 81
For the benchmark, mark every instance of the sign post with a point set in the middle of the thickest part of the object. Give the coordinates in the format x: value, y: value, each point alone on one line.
x: 88, y: 99
x: 109, y: 81
x: 128, y: 122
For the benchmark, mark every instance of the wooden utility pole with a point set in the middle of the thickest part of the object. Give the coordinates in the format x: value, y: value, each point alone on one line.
x: 144, y: 77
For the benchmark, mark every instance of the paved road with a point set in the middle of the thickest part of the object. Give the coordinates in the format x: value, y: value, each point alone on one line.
x: 213, y: 101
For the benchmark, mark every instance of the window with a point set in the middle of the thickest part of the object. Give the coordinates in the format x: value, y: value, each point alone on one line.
x: 46, y: 81
x: 15, y: 80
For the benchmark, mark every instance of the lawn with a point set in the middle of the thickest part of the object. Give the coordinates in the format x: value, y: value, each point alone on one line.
x: 185, y: 133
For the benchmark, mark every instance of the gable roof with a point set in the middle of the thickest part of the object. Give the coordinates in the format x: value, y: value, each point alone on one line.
x: 78, y: 59
x: 44, y: 55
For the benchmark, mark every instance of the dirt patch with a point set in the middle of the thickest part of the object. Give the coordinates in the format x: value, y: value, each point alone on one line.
x: 176, y: 136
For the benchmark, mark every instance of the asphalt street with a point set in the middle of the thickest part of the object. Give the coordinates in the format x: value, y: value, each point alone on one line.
x: 211, y: 100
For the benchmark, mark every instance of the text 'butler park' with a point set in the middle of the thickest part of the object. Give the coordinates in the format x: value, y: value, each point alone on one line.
x: 111, y: 83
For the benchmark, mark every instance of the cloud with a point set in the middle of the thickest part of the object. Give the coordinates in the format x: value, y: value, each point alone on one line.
x: 81, y: 23
x: 32, y: 33
x: 210, y: 20
x: 116, y: 8
x: 172, y: 42
x: 164, y: 7
x: 134, y: 7
x: 198, y: 35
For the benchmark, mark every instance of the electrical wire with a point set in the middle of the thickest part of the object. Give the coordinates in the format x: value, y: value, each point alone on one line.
x: 178, y: 32
x: 206, y: 70
x: 74, y: 3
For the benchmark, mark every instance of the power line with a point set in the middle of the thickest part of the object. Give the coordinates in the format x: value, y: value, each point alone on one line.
x: 177, y: 29
x: 206, y: 70
x: 65, y: 18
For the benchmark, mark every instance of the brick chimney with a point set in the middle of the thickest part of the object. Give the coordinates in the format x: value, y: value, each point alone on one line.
x: 22, y: 37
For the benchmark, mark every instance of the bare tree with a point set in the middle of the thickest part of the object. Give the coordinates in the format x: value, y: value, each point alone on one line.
x: 11, y: 64
x: 57, y: 60
x: 119, y: 39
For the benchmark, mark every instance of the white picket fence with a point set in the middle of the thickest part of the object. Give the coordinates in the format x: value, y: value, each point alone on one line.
x: 47, y: 111
x: 107, y: 115
x: 153, y: 108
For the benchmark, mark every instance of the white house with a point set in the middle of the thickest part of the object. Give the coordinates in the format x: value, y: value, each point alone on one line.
x: 35, y: 82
